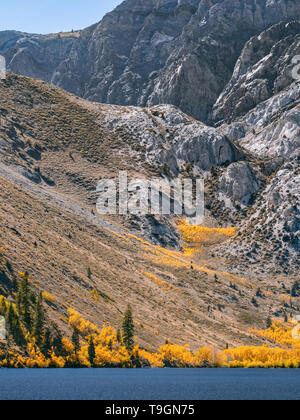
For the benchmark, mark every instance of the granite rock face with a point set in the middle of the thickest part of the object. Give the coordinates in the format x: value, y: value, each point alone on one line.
x: 149, y: 52
x: 240, y: 183
x: 269, y: 238
x: 263, y: 70
x: 272, y: 128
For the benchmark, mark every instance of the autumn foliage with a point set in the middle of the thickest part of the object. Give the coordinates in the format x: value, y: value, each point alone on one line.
x: 204, y: 235
x: 285, y: 356
x: 110, y: 350
x: 31, y: 344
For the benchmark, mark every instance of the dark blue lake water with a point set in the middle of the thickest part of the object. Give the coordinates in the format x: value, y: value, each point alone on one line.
x: 149, y: 384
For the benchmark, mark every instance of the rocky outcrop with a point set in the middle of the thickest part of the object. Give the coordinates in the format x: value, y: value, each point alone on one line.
x: 269, y: 238
x: 149, y: 52
x: 174, y: 140
x: 239, y: 183
x: 272, y: 128
x: 36, y: 56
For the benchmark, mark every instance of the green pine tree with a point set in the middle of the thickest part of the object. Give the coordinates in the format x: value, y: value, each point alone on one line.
x: 14, y: 327
x: 23, y: 302
x: 10, y: 320
x: 46, y: 343
x: 19, y: 335
x: 135, y: 360
x: 57, y: 343
x: 128, y: 330
x: 3, y: 306
x: 91, y: 351
x: 75, y: 340
x: 39, y: 319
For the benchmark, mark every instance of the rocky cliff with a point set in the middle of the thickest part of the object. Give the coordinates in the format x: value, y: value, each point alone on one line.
x: 149, y: 52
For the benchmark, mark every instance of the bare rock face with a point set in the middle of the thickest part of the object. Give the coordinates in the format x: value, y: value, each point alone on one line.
x: 239, y: 183
x: 35, y: 56
x: 263, y: 70
x: 270, y: 236
x: 258, y: 188
x: 280, y: 138
x: 149, y: 52
x: 272, y: 128
x: 173, y: 139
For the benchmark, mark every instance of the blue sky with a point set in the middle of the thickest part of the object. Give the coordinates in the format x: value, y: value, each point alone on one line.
x: 46, y: 16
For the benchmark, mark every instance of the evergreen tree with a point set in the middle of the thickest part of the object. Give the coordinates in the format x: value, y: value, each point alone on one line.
x: 57, y: 342
x: 46, y: 343
x: 259, y: 293
x: 19, y: 299
x: 38, y: 323
x: 18, y: 333
x: 269, y: 323
x: 254, y: 302
x: 13, y: 326
x: 75, y: 340
x: 128, y: 330
x: 3, y: 306
x: 14, y: 284
x: 10, y: 320
x: 91, y: 351
x: 23, y: 302
x: 135, y: 360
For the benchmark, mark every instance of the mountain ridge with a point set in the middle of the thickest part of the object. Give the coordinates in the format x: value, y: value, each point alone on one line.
x: 127, y: 59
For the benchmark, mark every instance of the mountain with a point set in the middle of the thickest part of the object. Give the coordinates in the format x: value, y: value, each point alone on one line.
x: 189, y: 89
x: 149, y: 52
x: 54, y: 149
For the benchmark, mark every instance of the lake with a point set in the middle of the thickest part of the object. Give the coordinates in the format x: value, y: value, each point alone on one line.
x: 149, y: 384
